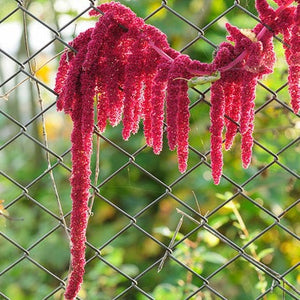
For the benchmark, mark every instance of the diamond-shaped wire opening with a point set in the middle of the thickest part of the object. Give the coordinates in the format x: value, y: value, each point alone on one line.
x: 286, y: 161
x: 16, y: 166
x: 101, y: 233
x: 242, y: 221
x: 234, y: 280
x: 121, y: 268
x: 287, y: 216
x: 11, y: 251
x: 48, y: 199
x: 270, y: 135
x: 27, y: 279
x: 280, y: 255
x: 26, y: 211
x: 9, y: 67
x: 277, y: 183
x: 122, y: 189
x: 56, y: 242
x: 8, y: 25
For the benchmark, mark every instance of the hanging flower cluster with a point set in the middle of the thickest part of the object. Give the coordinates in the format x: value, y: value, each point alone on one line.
x: 128, y: 65
x: 241, y: 65
x: 233, y: 95
x: 286, y: 20
x: 134, y: 74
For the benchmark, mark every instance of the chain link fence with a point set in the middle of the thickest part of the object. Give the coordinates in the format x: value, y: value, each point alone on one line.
x: 155, y: 233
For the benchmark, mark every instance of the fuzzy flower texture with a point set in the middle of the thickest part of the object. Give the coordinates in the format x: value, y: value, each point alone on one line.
x: 129, y: 67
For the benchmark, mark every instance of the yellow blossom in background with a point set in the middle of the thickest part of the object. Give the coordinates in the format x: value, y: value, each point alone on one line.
x: 55, y: 127
x: 42, y: 68
x: 43, y: 74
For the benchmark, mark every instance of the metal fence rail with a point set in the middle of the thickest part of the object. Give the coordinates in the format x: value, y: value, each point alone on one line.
x: 22, y: 193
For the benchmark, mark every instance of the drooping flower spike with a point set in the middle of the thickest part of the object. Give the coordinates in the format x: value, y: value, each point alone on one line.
x: 126, y: 64
x: 129, y: 67
x: 234, y: 93
x: 286, y: 20
x: 294, y: 62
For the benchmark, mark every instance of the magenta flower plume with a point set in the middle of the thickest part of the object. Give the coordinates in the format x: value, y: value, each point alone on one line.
x: 68, y: 77
x: 62, y: 75
x: 266, y: 13
x: 183, y: 126
x: 247, y: 142
x: 130, y: 70
x: 294, y: 62
x: 241, y: 65
x: 217, y: 123
x: 175, y: 80
x: 111, y: 80
x: 125, y: 63
x: 177, y: 102
x: 153, y: 59
x: 247, y: 97
x: 224, y: 56
x: 80, y: 182
x: 157, y: 104
x: 247, y: 116
x: 133, y: 88
x: 232, y: 110
x: 285, y: 20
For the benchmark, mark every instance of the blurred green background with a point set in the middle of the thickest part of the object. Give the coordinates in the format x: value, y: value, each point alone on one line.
x: 29, y: 210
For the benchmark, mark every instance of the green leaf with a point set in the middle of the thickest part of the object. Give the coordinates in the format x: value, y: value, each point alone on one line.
x: 203, y: 79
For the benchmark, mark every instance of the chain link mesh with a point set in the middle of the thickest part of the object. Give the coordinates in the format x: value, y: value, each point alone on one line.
x: 130, y: 172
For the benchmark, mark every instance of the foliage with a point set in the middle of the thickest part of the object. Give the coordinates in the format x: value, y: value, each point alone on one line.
x: 132, y: 190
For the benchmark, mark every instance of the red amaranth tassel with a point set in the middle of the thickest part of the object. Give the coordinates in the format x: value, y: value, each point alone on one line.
x: 132, y: 87
x: 112, y: 70
x: 247, y: 97
x: 178, y: 114
x: 129, y: 66
x: 80, y: 182
x: 247, y: 116
x: 183, y: 126
x: 69, y: 77
x: 61, y: 78
x: 157, y: 104
x: 150, y: 70
x: 217, y: 123
x: 294, y: 62
x: 173, y: 89
x: 266, y: 13
x: 232, y: 110
x: 286, y: 20
x: 247, y: 142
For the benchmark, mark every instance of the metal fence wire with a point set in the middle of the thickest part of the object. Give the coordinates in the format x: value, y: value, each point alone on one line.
x: 155, y: 233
